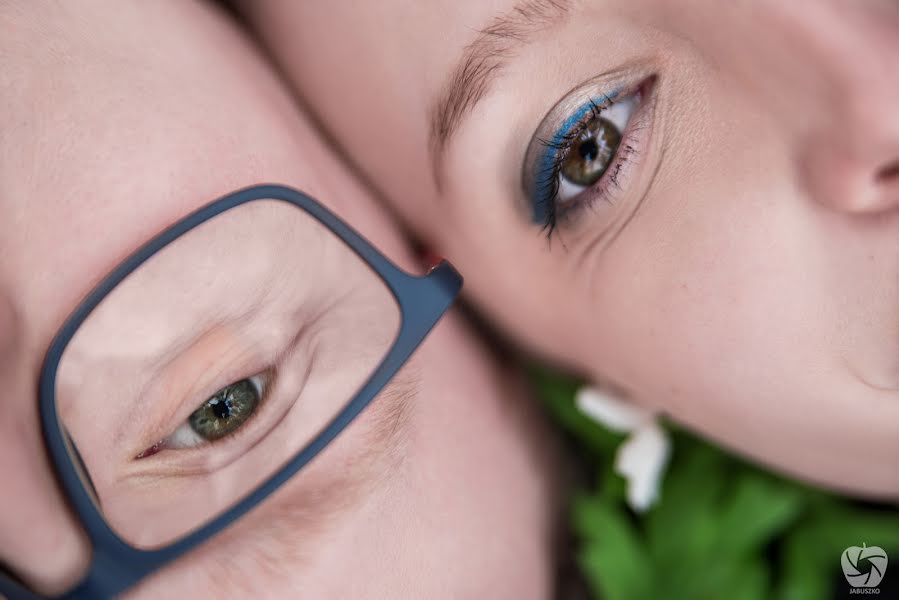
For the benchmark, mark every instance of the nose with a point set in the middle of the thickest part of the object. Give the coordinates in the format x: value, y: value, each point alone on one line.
x: 40, y: 542
x: 850, y: 150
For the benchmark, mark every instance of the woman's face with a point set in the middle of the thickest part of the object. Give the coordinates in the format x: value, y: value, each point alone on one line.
x: 133, y: 117
x: 696, y: 201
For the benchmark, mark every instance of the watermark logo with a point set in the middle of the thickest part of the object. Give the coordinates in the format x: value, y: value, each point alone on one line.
x: 864, y: 568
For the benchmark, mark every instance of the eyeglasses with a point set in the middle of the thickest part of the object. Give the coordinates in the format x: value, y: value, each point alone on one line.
x: 211, y: 366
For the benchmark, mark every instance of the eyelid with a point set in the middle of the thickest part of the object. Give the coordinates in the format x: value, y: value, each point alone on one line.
x: 248, y: 361
x: 621, y: 115
x: 290, y: 369
x: 205, y: 374
x: 624, y: 188
x: 199, y: 460
x: 576, y: 120
x: 566, y: 115
x: 544, y: 174
x: 182, y: 429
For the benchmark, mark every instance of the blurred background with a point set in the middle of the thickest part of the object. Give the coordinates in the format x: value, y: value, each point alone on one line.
x: 720, y: 528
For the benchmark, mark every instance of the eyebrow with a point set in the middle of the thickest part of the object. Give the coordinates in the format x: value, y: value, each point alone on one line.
x: 481, y: 63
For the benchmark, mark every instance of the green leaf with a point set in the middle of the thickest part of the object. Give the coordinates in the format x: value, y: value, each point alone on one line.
x: 805, y: 572
x: 614, y: 487
x: 614, y: 559
x: 716, y: 518
x: 841, y: 524
x: 749, y: 580
x: 723, y: 578
x: 682, y: 528
x: 829, y: 526
x: 759, y: 509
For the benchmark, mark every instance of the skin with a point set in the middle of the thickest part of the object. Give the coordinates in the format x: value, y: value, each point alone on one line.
x: 742, y: 276
x: 207, y: 312
x: 120, y: 120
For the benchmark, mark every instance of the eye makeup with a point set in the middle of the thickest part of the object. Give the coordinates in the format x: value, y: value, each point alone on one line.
x: 580, y: 149
x: 545, y: 185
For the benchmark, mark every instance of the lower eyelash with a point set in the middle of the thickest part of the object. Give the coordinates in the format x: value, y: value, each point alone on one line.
x: 601, y: 193
x: 562, y: 145
x: 600, y: 190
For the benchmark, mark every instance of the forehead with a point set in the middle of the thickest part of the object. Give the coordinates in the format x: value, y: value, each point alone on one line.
x: 117, y: 153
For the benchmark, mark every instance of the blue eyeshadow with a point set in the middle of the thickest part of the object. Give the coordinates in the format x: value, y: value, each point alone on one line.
x: 543, y: 178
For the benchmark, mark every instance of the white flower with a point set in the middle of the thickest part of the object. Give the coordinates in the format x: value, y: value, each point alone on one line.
x: 643, y: 456
x: 604, y: 407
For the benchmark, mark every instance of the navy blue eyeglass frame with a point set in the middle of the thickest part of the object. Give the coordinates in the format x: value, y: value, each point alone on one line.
x: 115, y: 565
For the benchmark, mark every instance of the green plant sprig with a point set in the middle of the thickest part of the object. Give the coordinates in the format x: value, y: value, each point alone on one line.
x: 723, y: 528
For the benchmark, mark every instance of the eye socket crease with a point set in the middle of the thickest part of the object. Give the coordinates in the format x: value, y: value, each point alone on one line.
x: 482, y: 61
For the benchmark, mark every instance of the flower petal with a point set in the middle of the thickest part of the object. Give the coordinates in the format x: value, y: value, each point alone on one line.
x: 610, y: 410
x: 641, y: 460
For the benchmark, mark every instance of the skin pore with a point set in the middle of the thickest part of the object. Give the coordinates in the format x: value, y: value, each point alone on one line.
x: 736, y: 264
x: 121, y: 119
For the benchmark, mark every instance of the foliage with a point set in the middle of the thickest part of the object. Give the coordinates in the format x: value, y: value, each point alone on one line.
x: 723, y: 528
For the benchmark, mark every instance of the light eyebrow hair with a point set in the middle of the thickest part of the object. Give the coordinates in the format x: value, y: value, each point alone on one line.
x: 481, y: 63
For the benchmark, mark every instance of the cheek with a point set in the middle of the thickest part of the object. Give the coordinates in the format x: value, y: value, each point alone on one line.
x: 707, y: 293
x: 725, y: 301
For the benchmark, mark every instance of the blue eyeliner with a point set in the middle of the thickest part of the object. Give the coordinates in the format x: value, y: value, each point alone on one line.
x: 545, y: 174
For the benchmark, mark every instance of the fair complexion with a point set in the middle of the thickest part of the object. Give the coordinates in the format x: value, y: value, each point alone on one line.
x: 736, y: 263
x: 121, y: 119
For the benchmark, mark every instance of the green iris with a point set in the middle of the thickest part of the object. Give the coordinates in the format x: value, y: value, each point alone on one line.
x: 225, y: 411
x: 591, y: 152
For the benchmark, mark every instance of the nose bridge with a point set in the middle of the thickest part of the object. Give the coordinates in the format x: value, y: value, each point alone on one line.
x: 861, y: 56
x: 40, y: 541
x: 850, y: 153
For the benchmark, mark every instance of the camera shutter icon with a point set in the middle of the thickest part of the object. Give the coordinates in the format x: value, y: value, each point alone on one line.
x: 864, y: 567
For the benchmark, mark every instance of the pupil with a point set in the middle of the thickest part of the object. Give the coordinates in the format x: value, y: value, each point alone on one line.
x: 225, y: 411
x: 592, y: 153
x: 589, y: 149
x: 221, y: 409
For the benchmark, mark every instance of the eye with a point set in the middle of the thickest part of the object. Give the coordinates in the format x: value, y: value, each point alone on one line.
x: 578, y: 150
x: 587, y: 151
x: 227, y: 410
x: 221, y: 415
x: 591, y: 152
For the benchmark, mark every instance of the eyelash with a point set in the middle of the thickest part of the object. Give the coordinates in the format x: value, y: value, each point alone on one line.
x: 246, y: 428
x: 626, y: 148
